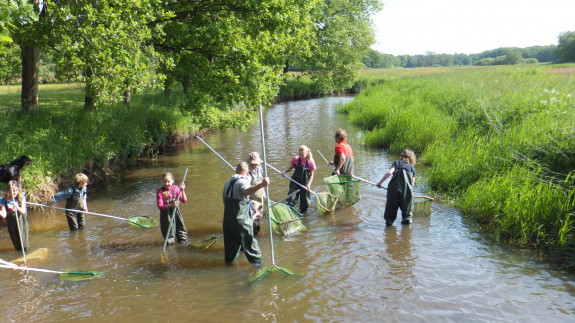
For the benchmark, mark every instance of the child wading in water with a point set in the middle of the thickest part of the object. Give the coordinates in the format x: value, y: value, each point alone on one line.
x: 167, y: 198
x: 76, y: 200
x: 256, y: 175
x: 400, y: 188
x: 304, y: 168
x: 13, y: 209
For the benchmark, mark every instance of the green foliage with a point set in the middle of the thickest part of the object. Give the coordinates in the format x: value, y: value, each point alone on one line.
x: 104, y: 44
x: 499, y: 140
x: 66, y: 138
x: 10, y: 63
x: 566, y: 47
x: 342, y: 36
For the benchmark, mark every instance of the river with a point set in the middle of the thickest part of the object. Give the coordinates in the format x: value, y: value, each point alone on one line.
x: 350, y: 266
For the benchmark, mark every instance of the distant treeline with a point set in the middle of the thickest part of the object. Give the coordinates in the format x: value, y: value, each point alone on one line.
x: 499, y: 56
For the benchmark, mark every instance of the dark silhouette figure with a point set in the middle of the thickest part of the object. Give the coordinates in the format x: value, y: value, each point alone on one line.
x: 11, y: 171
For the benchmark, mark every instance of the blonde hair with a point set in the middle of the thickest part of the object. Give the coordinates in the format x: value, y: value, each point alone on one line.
x: 169, y: 174
x: 9, y: 195
x: 341, y: 134
x: 80, y: 179
x: 307, y: 151
x: 408, y: 156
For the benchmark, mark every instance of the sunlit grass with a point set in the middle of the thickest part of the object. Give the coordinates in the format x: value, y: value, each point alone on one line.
x: 501, y: 141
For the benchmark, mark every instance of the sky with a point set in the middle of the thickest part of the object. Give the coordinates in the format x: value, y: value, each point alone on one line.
x: 414, y: 27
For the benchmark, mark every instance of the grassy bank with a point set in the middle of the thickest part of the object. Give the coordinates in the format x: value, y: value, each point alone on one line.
x: 62, y: 138
x: 499, y: 141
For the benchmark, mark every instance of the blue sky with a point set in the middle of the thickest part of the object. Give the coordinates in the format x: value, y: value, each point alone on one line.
x: 469, y: 26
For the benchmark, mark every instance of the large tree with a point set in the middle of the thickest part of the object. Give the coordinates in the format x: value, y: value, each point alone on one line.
x: 106, y: 45
x: 343, y: 34
x: 232, y: 52
x: 22, y: 25
x: 566, y: 47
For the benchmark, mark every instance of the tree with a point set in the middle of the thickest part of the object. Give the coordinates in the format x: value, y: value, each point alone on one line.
x: 343, y: 33
x: 232, y: 53
x: 566, y: 47
x: 22, y: 25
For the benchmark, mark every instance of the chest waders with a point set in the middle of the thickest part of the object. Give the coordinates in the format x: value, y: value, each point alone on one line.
x: 178, y: 230
x: 76, y: 220
x: 347, y: 167
x: 11, y: 222
x: 301, y: 175
x: 399, y: 195
x: 238, y: 229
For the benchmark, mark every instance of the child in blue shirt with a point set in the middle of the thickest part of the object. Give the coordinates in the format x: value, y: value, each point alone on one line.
x: 76, y: 200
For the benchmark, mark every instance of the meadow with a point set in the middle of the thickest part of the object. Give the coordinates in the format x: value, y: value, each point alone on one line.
x: 499, y: 142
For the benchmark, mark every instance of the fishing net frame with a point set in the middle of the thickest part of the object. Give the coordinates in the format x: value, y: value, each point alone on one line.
x: 143, y: 222
x: 345, y: 188
x: 284, y: 226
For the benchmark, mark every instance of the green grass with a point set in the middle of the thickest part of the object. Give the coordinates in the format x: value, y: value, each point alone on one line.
x: 499, y: 141
x: 63, y: 138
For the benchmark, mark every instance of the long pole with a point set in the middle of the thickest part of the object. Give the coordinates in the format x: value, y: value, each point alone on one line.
x: 215, y: 152
x: 78, y: 211
x: 32, y: 269
x: 353, y: 176
x: 293, y: 180
x: 267, y: 187
x: 172, y: 220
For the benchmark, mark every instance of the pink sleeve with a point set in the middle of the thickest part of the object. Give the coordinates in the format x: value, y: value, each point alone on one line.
x: 182, y: 199
x: 312, y: 166
x: 294, y: 161
x: 160, y: 199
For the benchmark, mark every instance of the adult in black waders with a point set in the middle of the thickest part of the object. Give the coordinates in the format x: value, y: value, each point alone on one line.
x: 13, y: 209
x: 400, y: 188
x: 304, y: 169
x: 238, y: 224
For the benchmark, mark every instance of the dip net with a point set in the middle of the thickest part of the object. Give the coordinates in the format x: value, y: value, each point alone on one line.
x: 345, y: 188
x: 286, y: 219
x: 326, y: 202
x: 143, y: 222
x: 77, y: 275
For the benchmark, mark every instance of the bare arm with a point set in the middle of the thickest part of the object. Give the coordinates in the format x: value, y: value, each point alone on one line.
x: 389, y: 173
x: 254, y: 188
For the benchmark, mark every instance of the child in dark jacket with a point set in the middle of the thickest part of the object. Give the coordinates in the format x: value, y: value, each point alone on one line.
x: 400, y: 188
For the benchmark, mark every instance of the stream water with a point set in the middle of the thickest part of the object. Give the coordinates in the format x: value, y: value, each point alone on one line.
x: 350, y: 266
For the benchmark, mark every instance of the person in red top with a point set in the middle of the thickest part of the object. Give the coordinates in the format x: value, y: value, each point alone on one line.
x: 169, y: 197
x: 343, y: 157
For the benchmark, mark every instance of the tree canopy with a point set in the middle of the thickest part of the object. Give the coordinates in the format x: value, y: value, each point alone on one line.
x: 227, y: 54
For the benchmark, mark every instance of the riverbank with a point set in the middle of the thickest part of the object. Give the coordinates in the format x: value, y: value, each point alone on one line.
x: 499, y: 142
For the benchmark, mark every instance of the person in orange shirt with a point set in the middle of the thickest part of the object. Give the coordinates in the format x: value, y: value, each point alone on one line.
x: 343, y: 157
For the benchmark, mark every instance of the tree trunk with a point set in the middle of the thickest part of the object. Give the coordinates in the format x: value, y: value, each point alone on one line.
x: 286, y: 67
x: 186, y: 83
x: 30, y: 67
x: 88, y: 91
x: 128, y: 94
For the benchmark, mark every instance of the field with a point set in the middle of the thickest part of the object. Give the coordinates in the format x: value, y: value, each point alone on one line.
x: 499, y: 142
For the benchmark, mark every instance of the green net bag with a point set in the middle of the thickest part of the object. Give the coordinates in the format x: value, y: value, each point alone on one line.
x: 326, y: 202
x: 345, y: 188
x: 286, y: 219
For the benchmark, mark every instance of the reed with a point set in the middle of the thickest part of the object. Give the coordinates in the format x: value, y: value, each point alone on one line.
x: 500, y: 141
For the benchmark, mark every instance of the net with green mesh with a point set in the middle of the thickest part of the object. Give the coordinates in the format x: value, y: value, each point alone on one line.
x: 326, y: 202
x: 345, y: 188
x: 77, y: 275
x: 286, y: 219
x: 421, y: 205
x: 143, y: 222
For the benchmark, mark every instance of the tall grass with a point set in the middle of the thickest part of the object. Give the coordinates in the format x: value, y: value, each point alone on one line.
x: 63, y: 138
x: 500, y: 141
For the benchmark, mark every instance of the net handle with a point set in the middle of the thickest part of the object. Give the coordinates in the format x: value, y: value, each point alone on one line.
x: 291, y: 179
x: 32, y: 269
x: 215, y: 152
x: 78, y: 211
x: 10, y: 183
x: 328, y: 164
